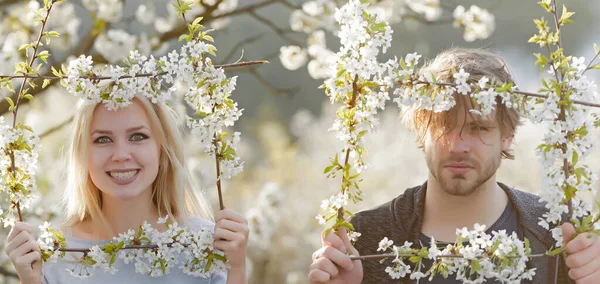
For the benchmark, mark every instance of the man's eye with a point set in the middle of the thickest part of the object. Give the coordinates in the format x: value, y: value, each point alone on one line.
x: 102, y: 140
x: 479, y: 128
x: 138, y: 137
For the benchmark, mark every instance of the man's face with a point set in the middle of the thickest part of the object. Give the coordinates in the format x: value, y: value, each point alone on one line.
x: 465, y: 157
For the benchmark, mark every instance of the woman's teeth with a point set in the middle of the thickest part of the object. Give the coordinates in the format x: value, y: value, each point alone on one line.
x: 123, y: 175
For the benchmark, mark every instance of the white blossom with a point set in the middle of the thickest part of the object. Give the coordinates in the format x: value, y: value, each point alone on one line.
x: 292, y: 57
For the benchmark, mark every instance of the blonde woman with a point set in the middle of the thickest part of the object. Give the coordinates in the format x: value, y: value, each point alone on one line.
x: 127, y: 167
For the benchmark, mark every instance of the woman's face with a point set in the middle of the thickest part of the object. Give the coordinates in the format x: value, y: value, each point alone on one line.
x: 123, y: 153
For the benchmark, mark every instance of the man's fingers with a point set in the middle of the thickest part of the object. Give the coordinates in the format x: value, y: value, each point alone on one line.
x: 585, y: 271
x: 325, y: 265
x: 318, y: 276
x: 337, y: 257
x: 343, y: 232
x: 583, y: 257
x: 581, y: 242
x: 332, y: 239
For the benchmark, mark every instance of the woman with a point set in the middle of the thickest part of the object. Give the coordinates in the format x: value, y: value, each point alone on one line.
x: 127, y: 167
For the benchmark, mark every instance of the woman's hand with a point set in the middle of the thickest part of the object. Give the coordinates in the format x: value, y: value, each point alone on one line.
x: 231, y: 237
x: 24, y: 253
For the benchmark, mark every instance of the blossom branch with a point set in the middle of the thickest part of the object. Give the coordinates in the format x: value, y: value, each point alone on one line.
x: 140, y: 75
x: 280, y: 32
x: 386, y: 255
x: 349, y: 107
x: 526, y: 94
x: 217, y: 158
x: 20, y: 94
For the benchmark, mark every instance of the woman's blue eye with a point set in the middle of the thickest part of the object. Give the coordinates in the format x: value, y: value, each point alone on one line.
x: 138, y: 137
x: 102, y: 140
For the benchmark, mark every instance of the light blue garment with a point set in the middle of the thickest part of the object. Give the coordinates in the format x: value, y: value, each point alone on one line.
x: 55, y: 273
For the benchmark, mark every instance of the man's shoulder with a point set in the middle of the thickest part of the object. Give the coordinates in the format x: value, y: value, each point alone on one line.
x: 388, y: 213
x: 526, y: 202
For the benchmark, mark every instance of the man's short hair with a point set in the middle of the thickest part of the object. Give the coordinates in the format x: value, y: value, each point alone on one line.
x: 478, y: 63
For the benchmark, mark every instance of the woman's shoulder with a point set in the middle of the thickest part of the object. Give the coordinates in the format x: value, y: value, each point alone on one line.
x: 196, y: 223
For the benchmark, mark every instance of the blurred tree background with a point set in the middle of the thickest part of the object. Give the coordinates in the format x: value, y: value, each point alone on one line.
x: 285, y: 142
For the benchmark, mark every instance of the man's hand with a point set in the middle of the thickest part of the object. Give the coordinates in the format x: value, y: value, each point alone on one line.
x: 331, y: 264
x: 583, y: 257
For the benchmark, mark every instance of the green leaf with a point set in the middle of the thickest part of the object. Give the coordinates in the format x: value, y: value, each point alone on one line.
x: 208, y: 38
x: 555, y: 252
x: 44, y: 56
x: 113, y: 257
x: 328, y: 169
x: 414, y: 259
x: 197, y: 21
x: 10, y: 101
x: 29, y: 97
x: 24, y: 46
x: 46, y: 83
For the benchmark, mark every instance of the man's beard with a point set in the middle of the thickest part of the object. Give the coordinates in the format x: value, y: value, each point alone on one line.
x: 459, y: 184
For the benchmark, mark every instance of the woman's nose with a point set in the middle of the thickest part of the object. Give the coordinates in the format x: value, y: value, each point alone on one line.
x: 122, y: 152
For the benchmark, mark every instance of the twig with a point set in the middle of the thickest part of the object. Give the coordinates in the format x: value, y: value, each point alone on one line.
x: 280, y: 32
x: 527, y: 94
x: 592, y: 61
x: 21, y: 90
x: 363, y: 257
x: 175, y: 32
x: 224, y: 66
x: 8, y: 273
x: 349, y: 106
x: 56, y: 128
x: 220, y: 192
x: 281, y: 91
x: 241, y: 44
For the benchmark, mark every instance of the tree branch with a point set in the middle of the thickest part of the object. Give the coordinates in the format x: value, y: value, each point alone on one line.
x: 281, y: 32
x: 8, y: 273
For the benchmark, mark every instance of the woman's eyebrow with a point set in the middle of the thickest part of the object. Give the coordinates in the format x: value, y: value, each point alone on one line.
x: 132, y: 129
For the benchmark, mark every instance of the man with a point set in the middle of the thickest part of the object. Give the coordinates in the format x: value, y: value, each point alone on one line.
x: 463, y: 152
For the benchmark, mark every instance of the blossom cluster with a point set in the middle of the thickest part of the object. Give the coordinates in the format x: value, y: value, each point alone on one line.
x: 150, y: 251
x: 316, y: 17
x: 475, y: 257
x: 19, y: 147
x: 569, y: 140
x: 360, y: 83
x: 206, y: 89
x: 478, y: 22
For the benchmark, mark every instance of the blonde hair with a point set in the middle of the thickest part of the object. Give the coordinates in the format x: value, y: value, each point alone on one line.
x: 478, y: 63
x: 173, y: 191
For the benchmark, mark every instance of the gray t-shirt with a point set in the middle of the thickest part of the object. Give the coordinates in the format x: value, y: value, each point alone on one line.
x: 508, y: 221
x: 55, y: 273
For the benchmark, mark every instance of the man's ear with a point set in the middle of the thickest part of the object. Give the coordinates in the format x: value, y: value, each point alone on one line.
x: 507, y: 141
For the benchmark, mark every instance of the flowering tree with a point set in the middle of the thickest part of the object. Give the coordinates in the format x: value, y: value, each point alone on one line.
x: 206, y: 90
x: 361, y: 84
x: 316, y: 17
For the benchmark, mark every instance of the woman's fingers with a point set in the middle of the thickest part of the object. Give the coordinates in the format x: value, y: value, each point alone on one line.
x: 27, y: 260
x: 17, y: 229
x: 231, y: 225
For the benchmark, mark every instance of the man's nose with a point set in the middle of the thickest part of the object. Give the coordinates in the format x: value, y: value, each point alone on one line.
x: 457, y: 143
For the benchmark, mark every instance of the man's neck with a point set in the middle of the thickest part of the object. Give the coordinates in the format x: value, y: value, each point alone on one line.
x: 444, y: 213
